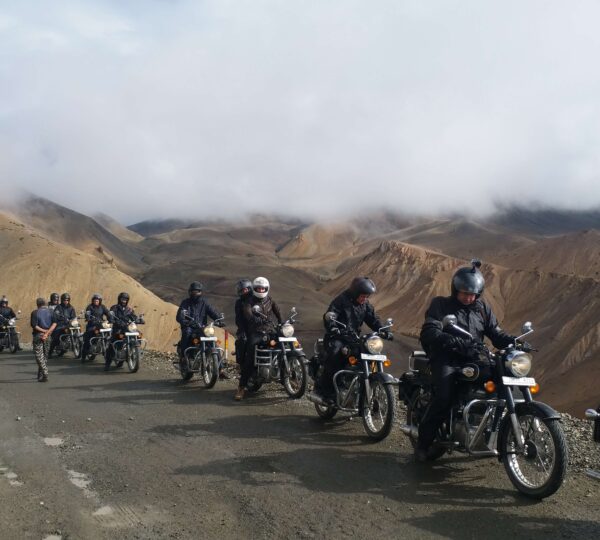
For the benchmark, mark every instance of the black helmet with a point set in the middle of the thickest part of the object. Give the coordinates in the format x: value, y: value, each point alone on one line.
x: 97, y: 296
x: 4, y: 300
x: 123, y: 296
x: 54, y: 297
x: 362, y: 285
x: 469, y: 279
x: 243, y: 284
x: 65, y: 296
x: 195, y: 286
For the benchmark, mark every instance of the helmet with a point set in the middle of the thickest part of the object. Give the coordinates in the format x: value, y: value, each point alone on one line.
x: 65, y: 296
x: 97, y: 296
x: 54, y: 297
x: 469, y: 279
x: 241, y: 285
x: 362, y: 285
x: 260, y: 283
x: 4, y: 300
x: 195, y: 286
x: 123, y: 296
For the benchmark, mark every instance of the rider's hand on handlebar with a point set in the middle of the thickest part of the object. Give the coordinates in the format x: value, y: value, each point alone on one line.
x: 526, y: 346
x: 220, y: 324
x: 386, y: 334
x: 335, y: 331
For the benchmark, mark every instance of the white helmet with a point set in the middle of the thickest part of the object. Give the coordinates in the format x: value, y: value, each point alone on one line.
x: 260, y: 283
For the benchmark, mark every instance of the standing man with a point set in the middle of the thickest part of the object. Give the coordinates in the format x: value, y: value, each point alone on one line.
x: 42, y: 327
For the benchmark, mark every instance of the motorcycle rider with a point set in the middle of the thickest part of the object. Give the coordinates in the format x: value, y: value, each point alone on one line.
x: 243, y: 290
x: 256, y: 324
x: 54, y: 301
x: 7, y: 312
x: 95, y: 313
x: 198, y: 310
x: 120, y: 315
x: 446, y: 350
x: 351, y: 308
x: 62, y: 315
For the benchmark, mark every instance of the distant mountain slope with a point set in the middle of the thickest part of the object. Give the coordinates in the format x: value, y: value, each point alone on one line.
x: 114, y: 227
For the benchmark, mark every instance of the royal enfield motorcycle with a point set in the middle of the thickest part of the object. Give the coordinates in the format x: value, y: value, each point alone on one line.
x: 362, y: 388
x: 594, y: 415
x: 279, y: 357
x: 70, y: 339
x: 203, y: 356
x: 9, y: 337
x: 488, y: 417
x: 128, y: 342
x: 100, y: 340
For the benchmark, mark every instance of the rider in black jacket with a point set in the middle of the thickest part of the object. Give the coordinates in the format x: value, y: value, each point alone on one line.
x: 120, y: 315
x: 351, y: 308
x: 446, y: 350
x: 194, y: 309
x: 7, y: 312
x: 62, y: 315
x: 95, y: 313
x: 244, y: 292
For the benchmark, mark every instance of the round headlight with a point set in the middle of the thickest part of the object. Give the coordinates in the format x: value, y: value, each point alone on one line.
x: 287, y: 330
x: 519, y: 363
x: 209, y: 331
x: 12, y: 322
x: 375, y: 345
x: 132, y: 327
x: 106, y: 324
x: 74, y: 323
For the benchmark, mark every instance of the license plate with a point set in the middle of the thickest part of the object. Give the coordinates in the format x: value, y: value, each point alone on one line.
x: 376, y: 357
x: 287, y: 339
x: 208, y: 339
x: 518, y: 381
x: 105, y: 330
x: 132, y: 333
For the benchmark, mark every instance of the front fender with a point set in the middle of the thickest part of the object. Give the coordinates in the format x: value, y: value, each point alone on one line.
x: 545, y: 411
x: 384, y: 378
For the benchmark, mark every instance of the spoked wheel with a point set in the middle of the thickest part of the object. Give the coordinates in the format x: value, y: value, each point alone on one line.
x: 415, y: 411
x: 539, y: 469
x: 326, y: 412
x: 14, y: 347
x: 76, y: 348
x: 184, y: 368
x: 133, y: 359
x: 379, y: 412
x: 295, y: 381
x: 210, y: 369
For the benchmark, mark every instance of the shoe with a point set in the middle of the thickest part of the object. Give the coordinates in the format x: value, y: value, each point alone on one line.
x: 44, y: 378
x: 224, y: 376
x: 239, y: 395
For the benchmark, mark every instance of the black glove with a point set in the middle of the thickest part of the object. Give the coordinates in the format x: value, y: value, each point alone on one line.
x: 526, y: 346
x: 470, y: 350
x: 220, y: 324
x: 386, y: 334
x: 335, y: 331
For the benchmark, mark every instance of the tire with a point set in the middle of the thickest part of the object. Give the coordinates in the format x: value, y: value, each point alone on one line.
x: 295, y: 381
x: 133, y: 359
x: 380, y: 412
x: 209, y: 369
x: 14, y: 348
x: 418, y: 403
x: 326, y: 412
x: 76, y: 347
x: 547, y: 448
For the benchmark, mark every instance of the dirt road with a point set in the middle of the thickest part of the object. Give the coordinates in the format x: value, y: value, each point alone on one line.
x: 116, y: 455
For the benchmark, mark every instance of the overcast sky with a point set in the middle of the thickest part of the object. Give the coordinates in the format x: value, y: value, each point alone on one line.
x: 149, y: 109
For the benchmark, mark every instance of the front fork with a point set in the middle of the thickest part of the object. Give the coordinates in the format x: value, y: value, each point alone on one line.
x: 514, y: 420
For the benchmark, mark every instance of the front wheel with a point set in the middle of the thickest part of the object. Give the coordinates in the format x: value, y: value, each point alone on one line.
x: 378, y: 412
x: 133, y: 359
x: 210, y: 369
x: 539, y: 469
x: 184, y: 369
x: 14, y: 347
x: 76, y: 347
x: 295, y: 380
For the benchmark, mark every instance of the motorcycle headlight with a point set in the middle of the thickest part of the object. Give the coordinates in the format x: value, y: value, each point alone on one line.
x: 519, y: 363
x: 287, y: 330
x: 106, y: 324
x: 132, y: 327
x: 74, y: 323
x: 375, y: 345
x: 209, y: 331
x: 12, y: 322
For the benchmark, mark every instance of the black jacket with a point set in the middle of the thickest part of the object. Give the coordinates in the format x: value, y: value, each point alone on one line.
x: 352, y: 314
x: 62, y: 315
x: 123, y: 316
x: 477, y: 319
x: 198, y: 309
x: 93, y: 314
x: 257, y: 323
x: 7, y: 312
x: 240, y: 321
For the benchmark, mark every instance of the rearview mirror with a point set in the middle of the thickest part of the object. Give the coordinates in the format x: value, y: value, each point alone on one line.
x: 527, y: 327
x: 293, y: 310
x: 449, y: 320
x: 19, y: 312
x: 330, y: 316
x: 389, y: 322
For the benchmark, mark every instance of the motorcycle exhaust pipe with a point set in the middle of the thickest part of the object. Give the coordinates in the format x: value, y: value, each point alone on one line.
x: 315, y: 398
x: 411, y: 431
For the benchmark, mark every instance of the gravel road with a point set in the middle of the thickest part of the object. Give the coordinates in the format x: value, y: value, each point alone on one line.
x: 117, y: 455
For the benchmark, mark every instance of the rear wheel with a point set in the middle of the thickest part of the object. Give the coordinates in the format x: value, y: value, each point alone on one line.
x: 210, y: 369
x: 295, y: 381
x: 379, y: 412
x: 133, y: 359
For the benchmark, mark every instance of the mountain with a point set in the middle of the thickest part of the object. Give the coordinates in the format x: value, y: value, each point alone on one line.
x: 114, y: 227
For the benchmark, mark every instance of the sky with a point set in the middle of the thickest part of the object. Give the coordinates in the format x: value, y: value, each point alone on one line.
x: 316, y: 108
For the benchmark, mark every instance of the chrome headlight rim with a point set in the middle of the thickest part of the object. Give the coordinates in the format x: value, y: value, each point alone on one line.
x: 287, y: 330
x: 519, y: 363
x: 74, y: 323
x: 106, y: 325
x: 209, y: 331
x: 132, y: 327
x: 374, y: 344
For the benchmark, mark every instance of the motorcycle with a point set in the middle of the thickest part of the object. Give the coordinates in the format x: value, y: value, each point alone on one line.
x: 487, y: 420
x: 279, y: 357
x: 70, y: 339
x: 594, y: 415
x: 362, y: 388
x: 128, y: 344
x: 9, y: 337
x: 100, y: 341
x: 203, y: 356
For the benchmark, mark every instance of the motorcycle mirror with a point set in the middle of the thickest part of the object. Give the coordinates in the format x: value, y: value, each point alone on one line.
x: 527, y: 327
x: 19, y: 312
x: 449, y: 320
x: 222, y: 316
x: 389, y: 322
x: 330, y: 316
x: 293, y: 310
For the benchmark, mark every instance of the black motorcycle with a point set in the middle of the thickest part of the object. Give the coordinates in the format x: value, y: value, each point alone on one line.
x: 70, y: 338
x: 100, y: 340
x: 362, y: 388
x: 128, y: 342
x: 488, y: 420
x: 594, y: 415
x: 9, y: 337
x: 279, y: 357
x: 203, y: 356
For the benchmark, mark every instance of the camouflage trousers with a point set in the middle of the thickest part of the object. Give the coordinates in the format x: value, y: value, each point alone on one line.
x: 40, y: 349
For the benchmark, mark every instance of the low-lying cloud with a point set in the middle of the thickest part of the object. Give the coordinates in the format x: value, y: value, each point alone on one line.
x: 317, y: 109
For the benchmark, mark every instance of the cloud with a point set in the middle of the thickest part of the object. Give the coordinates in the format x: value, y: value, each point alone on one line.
x: 220, y: 108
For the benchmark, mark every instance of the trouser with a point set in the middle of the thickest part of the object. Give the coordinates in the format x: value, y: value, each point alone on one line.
x: 55, y: 339
x: 333, y: 363
x: 443, y: 378
x: 87, y: 336
x: 240, y: 349
x: 40, y: 350
x: 248, y: 362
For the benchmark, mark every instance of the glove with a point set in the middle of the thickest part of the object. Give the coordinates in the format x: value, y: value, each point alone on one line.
x: 220, y: 324
x: 386, y: 334
x: 335, y: 331
x: 526, y: 346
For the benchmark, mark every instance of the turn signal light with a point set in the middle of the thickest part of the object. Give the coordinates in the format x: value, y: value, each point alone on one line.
x: 121, y: 336
x: 535, y: 388
x: 296, y: 344
x: 352, y: 360
x: 272, y: 343
x: 387, y: 363
x: 490, y: 387
x: 195, y: 341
